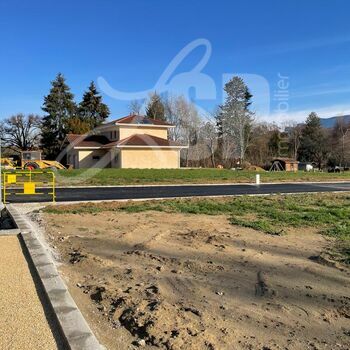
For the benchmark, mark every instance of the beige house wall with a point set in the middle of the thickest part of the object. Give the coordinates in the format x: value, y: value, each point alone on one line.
x: 126, y: 131
x: 86, y: 158
x: 150, y: 158
x: 140, y: 158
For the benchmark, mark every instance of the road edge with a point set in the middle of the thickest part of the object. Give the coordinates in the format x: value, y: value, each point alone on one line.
x: 74, y: 327
x: 203, y: 184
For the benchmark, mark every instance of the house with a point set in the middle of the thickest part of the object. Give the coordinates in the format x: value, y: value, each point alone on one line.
x: 284, y: 164
x: 130, y: 142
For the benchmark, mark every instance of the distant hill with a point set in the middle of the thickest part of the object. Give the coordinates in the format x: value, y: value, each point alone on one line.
x: 330, y: 122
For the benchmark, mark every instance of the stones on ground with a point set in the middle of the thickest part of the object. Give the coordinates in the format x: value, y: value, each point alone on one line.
x: 210, y: 239
x: 131, y: 320
x: 153, y: 289
x: 141, y: 343
x: 193, y: 310
x: 97, y: 296
x: 209, y: 345
x: 76, y: 256
x: 153, y: 305
x: 175, y: 333
x: 101, y: 308
x: 221, y: 246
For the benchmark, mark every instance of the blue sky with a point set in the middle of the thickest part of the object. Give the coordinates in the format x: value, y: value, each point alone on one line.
x: 130, y: 44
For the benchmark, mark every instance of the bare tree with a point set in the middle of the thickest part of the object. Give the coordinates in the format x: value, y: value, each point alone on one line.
x: 339, y: 136
x: 208, y: 137
x: 21, y: 132
x: 258, y: 152
x: 135, y: 107
x: 173, y: 117
x: 186, y: 120
x: 294, y: 132
x: 228, y: 149
x: 189, y: 125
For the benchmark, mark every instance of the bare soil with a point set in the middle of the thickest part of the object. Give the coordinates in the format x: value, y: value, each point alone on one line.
x: 181, y: 281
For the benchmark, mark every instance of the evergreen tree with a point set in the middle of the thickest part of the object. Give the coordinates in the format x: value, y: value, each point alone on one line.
x: 274, y: 143
x: 155, y: 108
x: 77, y: 126
x: 59, y: 107
x: 313, y: 144
x: 236, y: 119
x: 91, y: 109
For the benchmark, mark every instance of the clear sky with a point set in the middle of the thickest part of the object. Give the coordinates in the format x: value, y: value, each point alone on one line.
x: 129, y: 45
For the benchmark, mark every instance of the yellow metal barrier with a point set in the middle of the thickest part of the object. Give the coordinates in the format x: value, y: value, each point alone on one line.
x: 27, y: 182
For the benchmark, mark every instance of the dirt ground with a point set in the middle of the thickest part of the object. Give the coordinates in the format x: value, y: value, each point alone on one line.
x: 182, y: 281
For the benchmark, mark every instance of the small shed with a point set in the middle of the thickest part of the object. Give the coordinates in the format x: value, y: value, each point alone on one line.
x: 284, y: 164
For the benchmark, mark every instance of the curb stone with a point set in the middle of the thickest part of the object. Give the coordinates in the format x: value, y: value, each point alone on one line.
x: 74, y: 327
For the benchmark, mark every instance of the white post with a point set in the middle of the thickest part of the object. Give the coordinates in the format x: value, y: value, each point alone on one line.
x: 257, y: 179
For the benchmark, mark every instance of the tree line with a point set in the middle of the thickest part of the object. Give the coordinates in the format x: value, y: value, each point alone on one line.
x: 62, y: 116
x: 230, y: 136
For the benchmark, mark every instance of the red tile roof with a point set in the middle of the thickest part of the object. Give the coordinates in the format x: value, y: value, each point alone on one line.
x: 133, y: 140
x: 137, y: 119
x: 87, y: 140
x: 143, y: 140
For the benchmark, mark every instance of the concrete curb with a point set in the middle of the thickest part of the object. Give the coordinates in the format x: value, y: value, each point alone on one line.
x: 10, y: 232
x: 74, y: 327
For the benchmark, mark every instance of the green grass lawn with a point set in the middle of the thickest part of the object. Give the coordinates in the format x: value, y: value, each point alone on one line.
x: 328, y: 213
x: 177, y: 176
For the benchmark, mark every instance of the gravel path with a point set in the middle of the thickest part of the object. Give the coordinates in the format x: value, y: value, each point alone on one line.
x: 24, y: 323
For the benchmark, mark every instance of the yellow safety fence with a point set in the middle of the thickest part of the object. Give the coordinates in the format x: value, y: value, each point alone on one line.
x: 27, y: 182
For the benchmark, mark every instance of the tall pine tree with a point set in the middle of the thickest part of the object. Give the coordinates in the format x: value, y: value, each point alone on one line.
x: 235, y: 120
x: 59, y: 107
x: 313, y: 143
x: 155, y: 108
x: 91, y: 109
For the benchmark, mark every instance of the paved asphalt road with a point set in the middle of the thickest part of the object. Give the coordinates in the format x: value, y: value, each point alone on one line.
x: 108, y: 193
